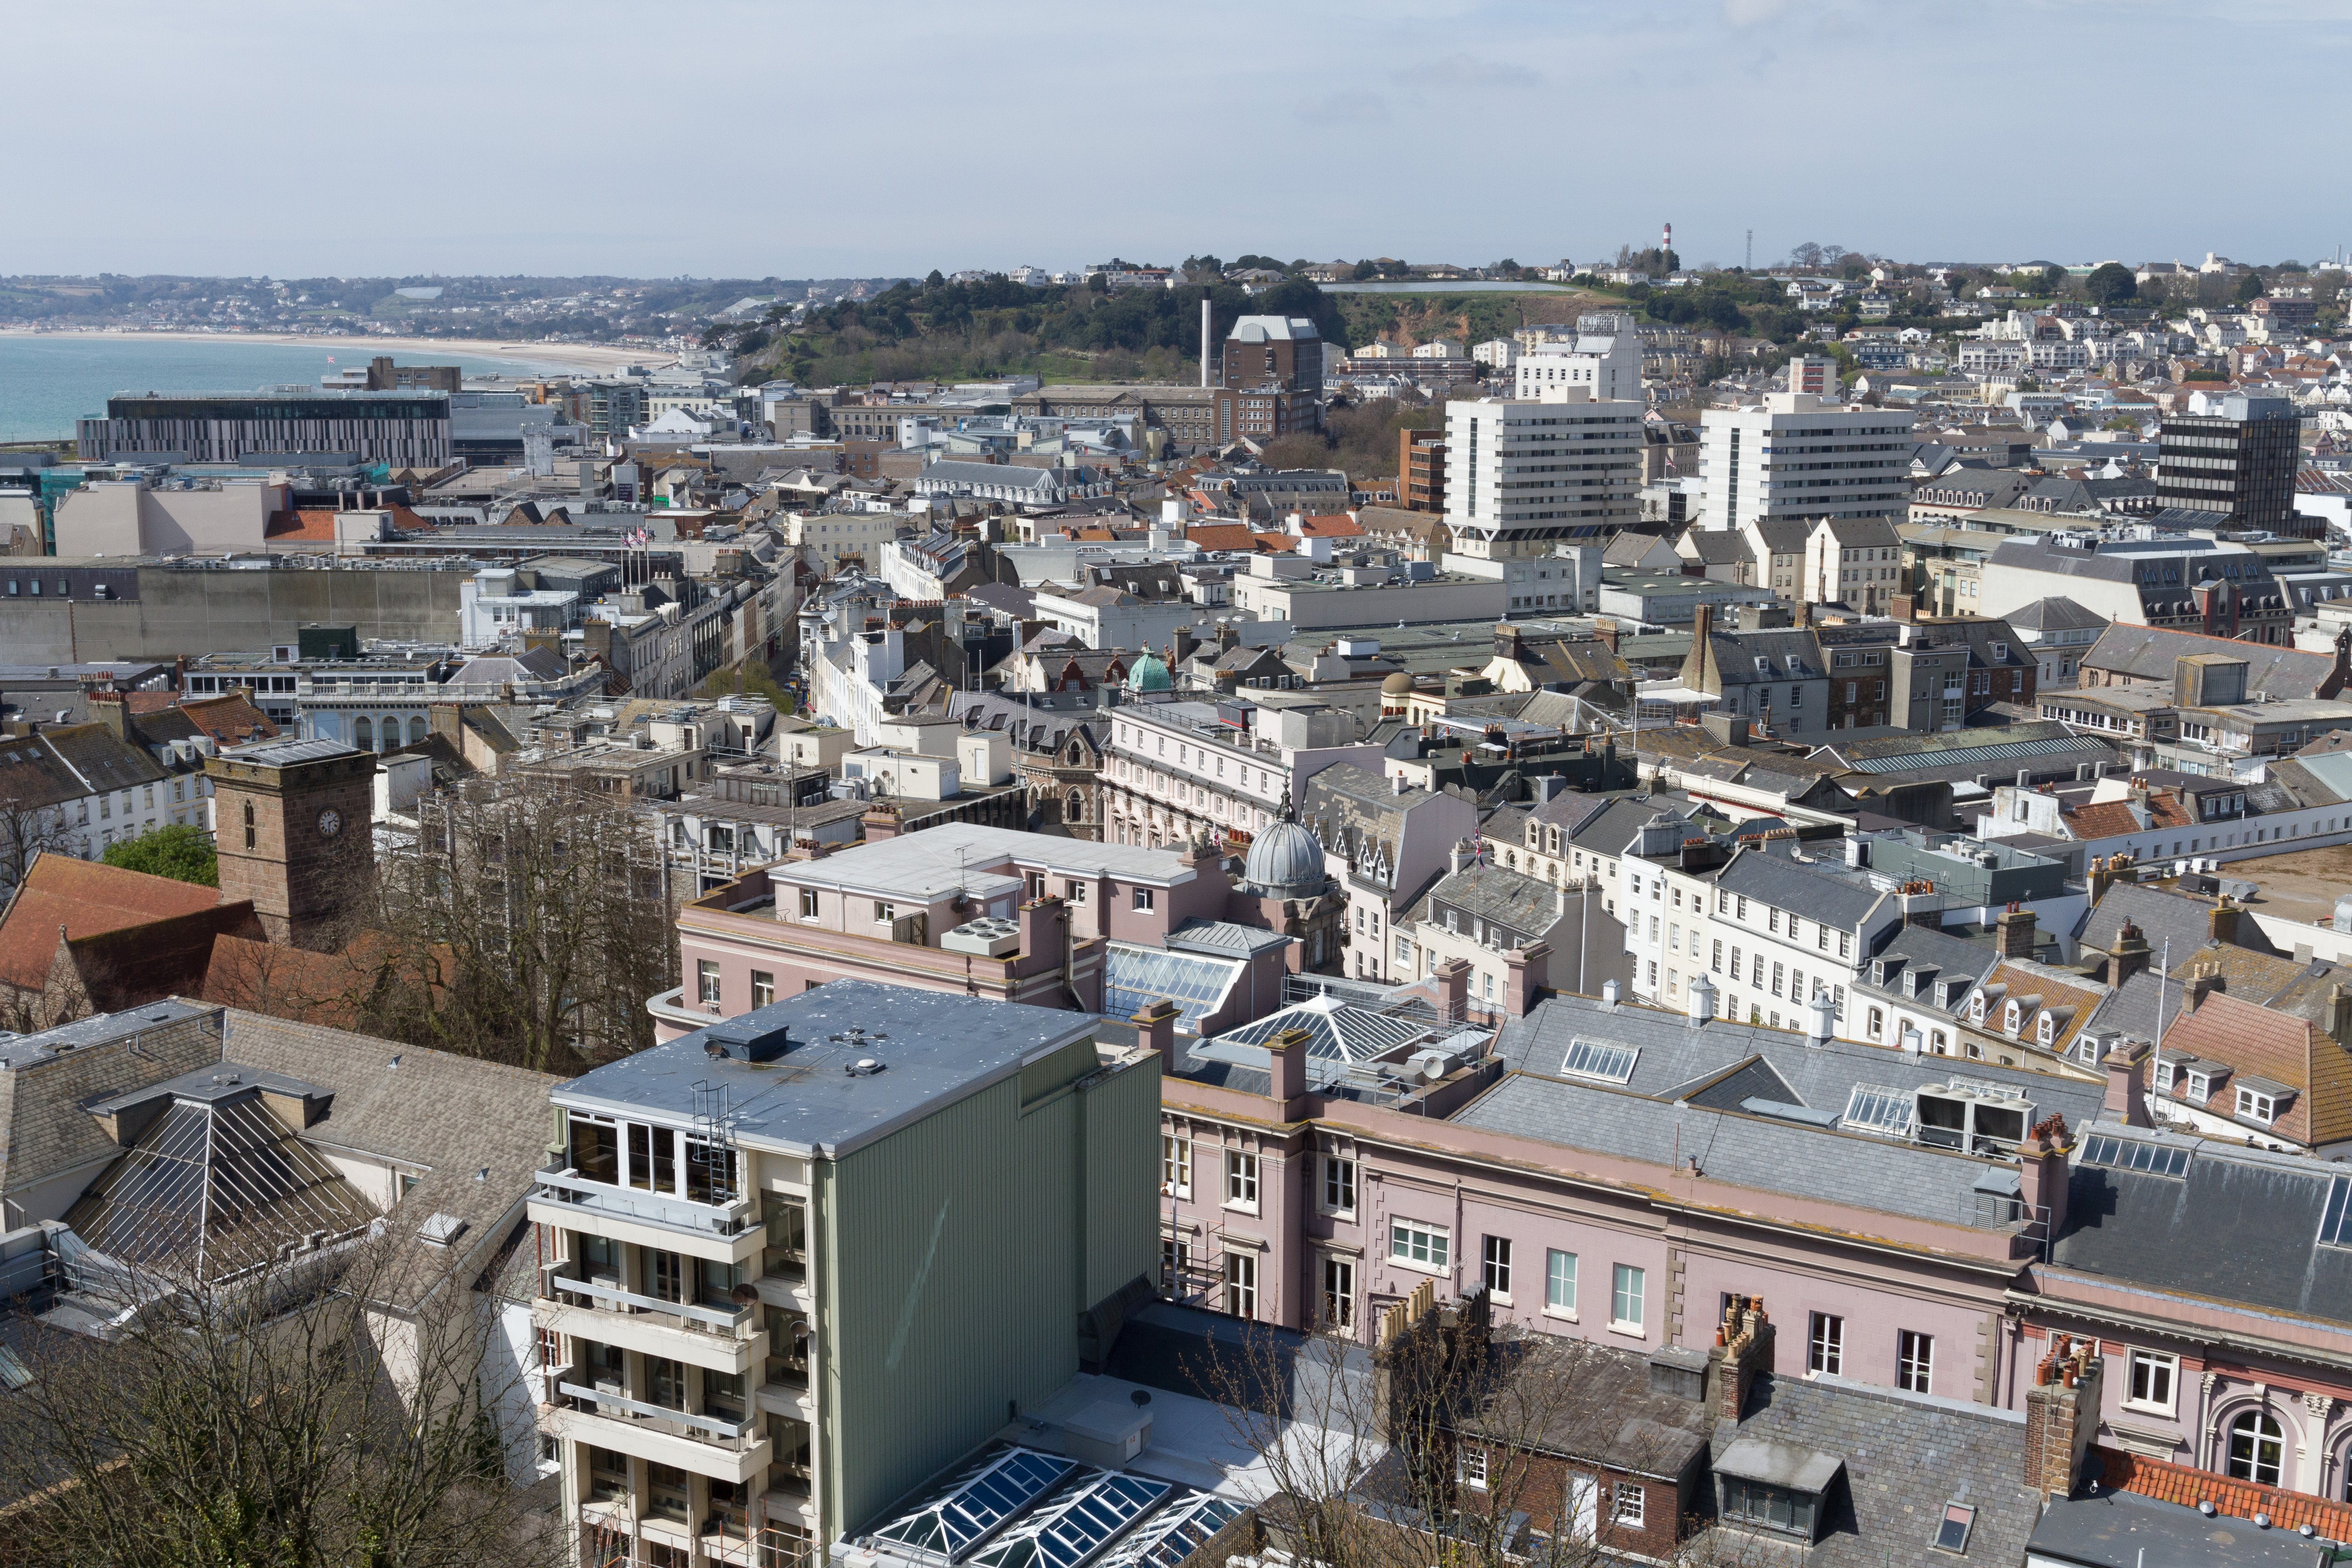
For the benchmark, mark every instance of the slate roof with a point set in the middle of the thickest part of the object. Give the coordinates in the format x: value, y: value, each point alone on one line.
x: 1833, y: 897
x: 1718, y: 547
x: 1906, y: 1455
x: 1518, y: 902
x: 2147, y: 654
x: 2241, y: 1226
x: 2163, y: 914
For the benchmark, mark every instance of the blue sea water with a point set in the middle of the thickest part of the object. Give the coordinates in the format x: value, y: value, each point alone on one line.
x: 49, y: 381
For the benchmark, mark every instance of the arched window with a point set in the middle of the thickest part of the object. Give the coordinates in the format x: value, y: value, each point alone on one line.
x: 1075, y: 812
x: 416, y: 730
x: 2008, y: 1018
x: 2256, y: 1447
x: 364, y: 733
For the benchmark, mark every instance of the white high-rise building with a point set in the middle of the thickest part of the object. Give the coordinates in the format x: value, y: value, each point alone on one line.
x: 1534, y: 485
x: 1801, y: 456
x: 1607, y: 365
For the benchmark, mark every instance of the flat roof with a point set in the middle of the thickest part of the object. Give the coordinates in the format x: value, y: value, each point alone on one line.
x: 2124, y: 1530
x: 942, y: 859
x: 934, y: 1048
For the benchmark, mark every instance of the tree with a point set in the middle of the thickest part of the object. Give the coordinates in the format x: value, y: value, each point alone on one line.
x: 2052, y: 279
x: 2110, y: 283
x: 180, y: 852
x: 2251, y: 288
x: 30, y: 825
x: 286, y: 1418
x: 537, y: 918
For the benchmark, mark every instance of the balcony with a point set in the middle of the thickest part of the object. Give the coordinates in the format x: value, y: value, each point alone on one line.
x: 563, y: 1196
x: 718, y: 1338
x: 708, y: 1445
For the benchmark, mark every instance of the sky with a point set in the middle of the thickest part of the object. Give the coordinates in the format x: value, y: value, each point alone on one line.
x: 773, y: 138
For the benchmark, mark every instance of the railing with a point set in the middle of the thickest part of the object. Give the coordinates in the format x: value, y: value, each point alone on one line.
x: 559, y: 1183
x: 730, y: 1321
x: 660, y: 1417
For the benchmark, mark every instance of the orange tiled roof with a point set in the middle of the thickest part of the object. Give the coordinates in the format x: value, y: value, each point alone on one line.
x: 87, y: 898
x: 1222, y: 536
x: 2104, y: 820
x: 2169, y: 1482
x: 1329, y: 526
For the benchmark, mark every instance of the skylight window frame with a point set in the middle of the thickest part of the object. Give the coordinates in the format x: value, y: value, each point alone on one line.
x: 2167, y: 1160
x: 1870, y: 1108
x: 1602, y: 1063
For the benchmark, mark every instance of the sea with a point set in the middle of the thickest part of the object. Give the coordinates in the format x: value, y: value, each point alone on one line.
x: 49, y: 380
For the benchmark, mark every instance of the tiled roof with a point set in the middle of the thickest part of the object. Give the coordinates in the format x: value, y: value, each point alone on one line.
x: 2253, y: 1039
x: 2182, y: 1484
x: 2105, y: 819
x: 86, y: 898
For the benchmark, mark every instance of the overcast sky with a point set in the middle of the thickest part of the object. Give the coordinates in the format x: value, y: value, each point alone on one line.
x: 762, y: 138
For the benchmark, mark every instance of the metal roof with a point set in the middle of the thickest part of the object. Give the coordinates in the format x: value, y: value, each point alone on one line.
x: 1929, y: 754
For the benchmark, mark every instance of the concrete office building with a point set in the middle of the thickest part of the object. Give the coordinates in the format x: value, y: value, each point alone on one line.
x: 1607, y: 365
x: 1800, y: 456
x: 1276, y: 364
x: 2238, y: 463
x: 407, y: 429
x: 801, y: 1260
x: 1527, y: 479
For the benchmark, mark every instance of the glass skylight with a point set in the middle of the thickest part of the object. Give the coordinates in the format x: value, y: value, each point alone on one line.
x: 984, y: 1498
x: 1139, y: 975
x: 1066, y: 1534
x: 2130, y: 1154
x: 2336, y: 1223
x: 1174, y: 1533
x: 1592, y: 1058
x: 1874, y: 1108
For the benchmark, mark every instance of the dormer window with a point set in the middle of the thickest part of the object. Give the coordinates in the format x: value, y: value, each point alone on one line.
x: 2256, y: 1106
x: 2200, y: 1085
x: 2164, y: 1074
x: 2047, y: 1030
x: 1977, y: 1007
x: 2009, y: 1018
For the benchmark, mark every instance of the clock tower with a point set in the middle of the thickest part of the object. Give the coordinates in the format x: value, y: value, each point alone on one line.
x: 290, y: 821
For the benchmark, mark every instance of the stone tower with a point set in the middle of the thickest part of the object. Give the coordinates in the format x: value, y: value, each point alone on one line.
x: 291, y: 821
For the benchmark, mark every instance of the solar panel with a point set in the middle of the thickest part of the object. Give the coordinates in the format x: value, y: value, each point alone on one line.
x: 1139, y: 976
x: 1592, y: 1058
x: 952, y: 1525
x: 2129, y: 1154
x: 1174, y: 1533
x: 2335, y: 1224
x: 1874, y: 1108
x: 1075, y: 1528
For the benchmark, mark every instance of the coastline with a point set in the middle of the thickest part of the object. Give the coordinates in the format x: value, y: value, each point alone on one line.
x: 574, y: 356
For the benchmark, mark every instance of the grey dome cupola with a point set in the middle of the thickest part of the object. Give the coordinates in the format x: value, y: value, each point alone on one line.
x: 1284, y: 861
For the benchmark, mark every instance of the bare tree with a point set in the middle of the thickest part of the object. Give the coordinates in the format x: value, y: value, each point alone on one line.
x: 28, y: 829
x: 278, y: 1417
x: 530, y: 921
x: 1446, y: 1441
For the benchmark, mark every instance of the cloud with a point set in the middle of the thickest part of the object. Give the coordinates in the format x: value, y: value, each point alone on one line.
x: 1347, y: 109
x: 1460, y: 70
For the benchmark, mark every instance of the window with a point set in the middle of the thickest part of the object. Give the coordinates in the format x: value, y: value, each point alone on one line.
x: 1241, y: 1284
x: 2200, y: 1086
x: 1418, y: 1245
x: 1241, y: 1179
x: 2256, y: 1448
x: 706, y: 981
x: 1952, y: 1534
x: 2255, y: 1106
x: 884, y: 914
x: 1715, y: 959
x: 1077, y: 891
x: 1339, y: 1292
x: 1876, y: 1024
x: 1471, y: 1464
x: 1175, y: 1262
x: 1339, y: 1184
x: 1176, y: 1166
x: 248, y: 822
x: 1825, y: 1345
x: 2152, y: 1377
x: 763, y: 987
x: 1915, y: 1362
x: 1559, y: 1282
x: 1771, y: 1508
x: 1626, y: 1286
x: 1497, y: 1259
x: 1631, y: 1505
x: 808, y: 903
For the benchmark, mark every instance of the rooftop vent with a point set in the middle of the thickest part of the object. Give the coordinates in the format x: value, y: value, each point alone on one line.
x: 440, y: 1230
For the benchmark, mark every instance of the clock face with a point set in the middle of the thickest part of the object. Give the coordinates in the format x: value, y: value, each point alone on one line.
x: 330, y: 822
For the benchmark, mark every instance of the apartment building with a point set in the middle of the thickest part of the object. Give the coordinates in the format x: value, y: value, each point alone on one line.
x: 1395, y: 839
x: 796, y: 1262
x: 1523, y: 478
x: 1275, y: 364
x: 1606, y: 365
x: 2236, y: 462
x: 405, y: 429
x: 1801, y: 456
x: 1177, y: 770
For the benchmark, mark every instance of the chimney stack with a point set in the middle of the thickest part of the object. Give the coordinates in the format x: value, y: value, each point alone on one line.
x: 1286, y: 1054
x: 1702, y: 1001
x: 1456, y: 857
x: 2061, y: 1412
x: 2127, y: 955
x: 2013, y: 932
x: 1155, y: 1026
x: 2042, y: 1182
x: 1453, y: 977
x: 2222, y: 921
x: 2125, y: 1100
x: 1528, y: 976
x: 2202, y: 980
x: 1743, y: 1347
x: 2339, y: 1015
x: 1204, y: 339
x: 1821, y: 1025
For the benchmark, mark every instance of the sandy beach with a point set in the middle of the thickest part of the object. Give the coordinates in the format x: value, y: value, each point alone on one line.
x: 577, y: 356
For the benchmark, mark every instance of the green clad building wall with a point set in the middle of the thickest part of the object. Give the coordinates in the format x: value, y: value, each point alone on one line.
x: 970, y: 1241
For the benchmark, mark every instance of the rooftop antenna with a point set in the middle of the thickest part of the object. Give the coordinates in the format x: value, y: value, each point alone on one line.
x: 2163, y: 972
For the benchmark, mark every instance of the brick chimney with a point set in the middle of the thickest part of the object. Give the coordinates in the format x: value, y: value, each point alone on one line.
x: 2339, y: 1015
x: 1453, y: 977
x: 880, y: 821
x: 1742, y: 1348
x: 1045, y: 928
x: 109, y: 709
x: 2222, y: 921
x: 1155, y: 1026
x: 2013, y: 932
x: 2041, y: 1181
x: 2128, y: 955
x: 1286, y: 1054
x: 2125, y: 1100
x: 2204, y: 979
x: 1604, y: 632
x: 2061, y: 1412
x: 1528, y: 976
